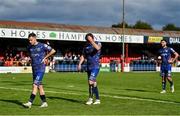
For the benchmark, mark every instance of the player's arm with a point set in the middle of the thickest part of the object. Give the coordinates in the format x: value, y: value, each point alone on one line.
x: 175, y: 58
x: 95, y: 45
x: 49, y: 54
x: 176, y: 55
x: 80, y: 62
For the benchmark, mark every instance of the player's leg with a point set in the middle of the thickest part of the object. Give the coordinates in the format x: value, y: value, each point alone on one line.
x: 96, y: 92
x: 171, y: 84
x: 92, y: 81
x: 163, y: 84
x: 90, y: 85
x: 90, y: 99
x: 42, y: 93
x: 34, y: 92
x: 163, y: 81
x: 41, y: 89
x: 42, y: 96
x: 169, y: 78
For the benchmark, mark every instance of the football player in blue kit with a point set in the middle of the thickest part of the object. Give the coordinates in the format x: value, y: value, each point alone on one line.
x: 91, y: 52
x: 166, y: 62
x: 38, y: 52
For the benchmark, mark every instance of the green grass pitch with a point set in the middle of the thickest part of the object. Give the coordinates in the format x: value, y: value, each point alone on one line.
x: 121, y: 93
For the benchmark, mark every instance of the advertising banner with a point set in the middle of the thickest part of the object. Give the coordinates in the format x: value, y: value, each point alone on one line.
x: 174, y: 40
x: 153, y: 39
x: 68, y: 36
x: 18, y: 69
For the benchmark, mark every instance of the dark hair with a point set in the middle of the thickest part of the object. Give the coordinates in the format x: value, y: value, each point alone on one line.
x: 89, y: 34
x: 164, y: 40
x: 31, y: 35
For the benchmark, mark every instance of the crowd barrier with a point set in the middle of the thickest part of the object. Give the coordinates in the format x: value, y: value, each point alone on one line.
x: 143, y: 65
x: 71, y: 66
x: 114, y: 66
x: 68, y: 66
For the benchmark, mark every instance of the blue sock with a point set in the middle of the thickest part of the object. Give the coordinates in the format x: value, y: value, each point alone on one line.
x: 171, y: 83
x: 90, y: 91
x: 164, y: 85
x: 32, y: 97
x: 95, y: 91
x: 43, y: 98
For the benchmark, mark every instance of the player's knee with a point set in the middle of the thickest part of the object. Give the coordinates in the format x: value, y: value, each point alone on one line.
x: 163, y: 78
x: 37, y: 83
x: 93, y: 83
x: 40, y: 87
x: 35, y: 89
x: 169, y: 78
x: 92, y: 79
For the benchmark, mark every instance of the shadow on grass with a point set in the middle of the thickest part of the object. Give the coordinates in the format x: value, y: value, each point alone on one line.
x: 70, y: 89
x: 139, y: 90
x: 67, y: 99
x: 16, y: 102
x: 12, y: 101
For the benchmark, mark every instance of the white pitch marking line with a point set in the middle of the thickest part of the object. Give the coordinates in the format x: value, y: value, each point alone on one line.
x: 104, y: 95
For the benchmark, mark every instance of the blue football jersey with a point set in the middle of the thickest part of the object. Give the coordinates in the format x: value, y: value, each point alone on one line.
x: 92, y: 55
x: 165, y: 54
x: 38, y: 52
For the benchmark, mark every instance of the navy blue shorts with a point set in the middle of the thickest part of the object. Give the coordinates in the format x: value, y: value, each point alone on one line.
x: 166, y: 71
x: 37, y: 78
x: 92, y: 74
x: 38, y: 73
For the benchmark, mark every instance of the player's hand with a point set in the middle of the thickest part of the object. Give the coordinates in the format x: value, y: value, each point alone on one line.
x: 171, y: 61
x: 90, y: 39
x: 79, y: 67
x: 43, y: 61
